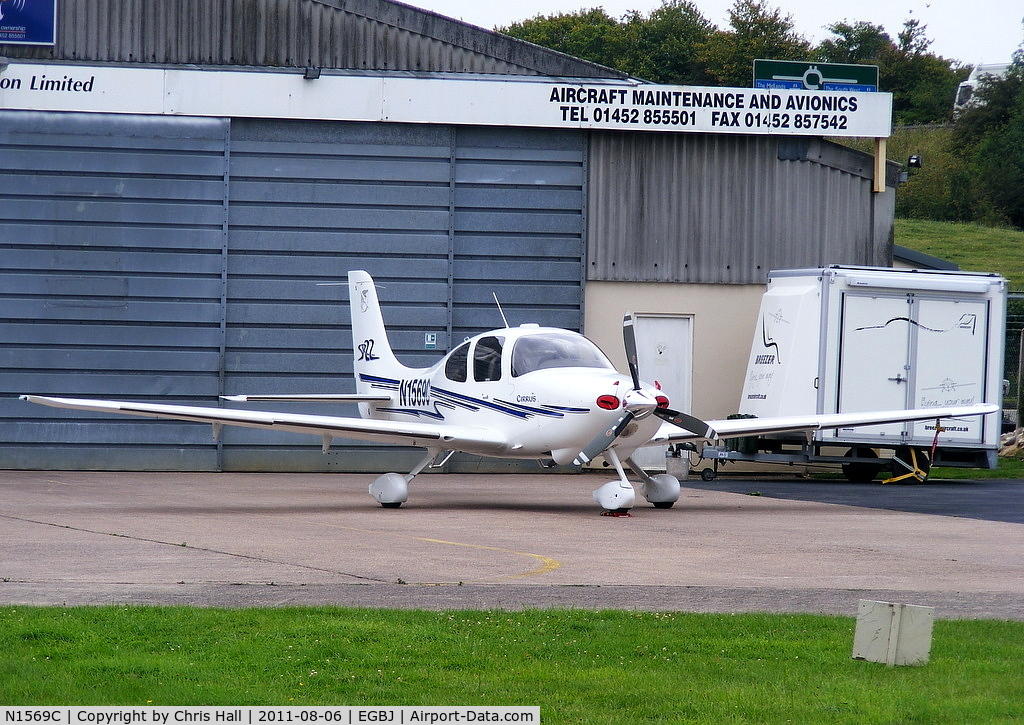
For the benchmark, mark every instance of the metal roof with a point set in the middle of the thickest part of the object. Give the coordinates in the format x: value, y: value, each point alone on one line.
x: 336, y: 34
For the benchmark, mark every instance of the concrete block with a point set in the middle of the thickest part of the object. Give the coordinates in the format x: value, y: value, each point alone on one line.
x: 896, y: 634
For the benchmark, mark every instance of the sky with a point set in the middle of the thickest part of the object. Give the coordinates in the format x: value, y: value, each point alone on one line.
x: 968, y: 31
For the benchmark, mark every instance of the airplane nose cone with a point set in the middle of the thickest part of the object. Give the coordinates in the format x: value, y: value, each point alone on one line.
x: 640, y: 403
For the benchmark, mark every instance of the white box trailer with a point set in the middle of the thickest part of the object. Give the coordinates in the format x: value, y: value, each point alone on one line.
x: 849, y: 339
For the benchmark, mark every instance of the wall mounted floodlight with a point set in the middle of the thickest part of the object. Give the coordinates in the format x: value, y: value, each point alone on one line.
x: 311, y: 73
x: 914, y: 161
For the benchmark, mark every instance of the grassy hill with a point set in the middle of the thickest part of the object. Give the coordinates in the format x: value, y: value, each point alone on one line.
x: 974, y: 247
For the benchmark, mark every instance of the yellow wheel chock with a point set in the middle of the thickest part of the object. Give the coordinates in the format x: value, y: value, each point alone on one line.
x: 915, y: 468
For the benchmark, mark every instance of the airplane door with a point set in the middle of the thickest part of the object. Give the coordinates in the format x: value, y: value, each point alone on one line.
x: 665, y: 351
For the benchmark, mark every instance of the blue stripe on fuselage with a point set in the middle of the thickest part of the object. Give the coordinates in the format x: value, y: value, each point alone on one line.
x: 468, y: 402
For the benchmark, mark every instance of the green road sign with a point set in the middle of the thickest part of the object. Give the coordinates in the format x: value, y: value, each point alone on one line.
x: 815, y: 76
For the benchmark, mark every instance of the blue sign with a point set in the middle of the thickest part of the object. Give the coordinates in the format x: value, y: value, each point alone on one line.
x: 777, y: 85
x: 28, y: 22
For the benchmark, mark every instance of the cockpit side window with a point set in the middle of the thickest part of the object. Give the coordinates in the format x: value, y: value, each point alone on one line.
x: 555, y: 350
x: 457, y: 367
x: 487, y: 359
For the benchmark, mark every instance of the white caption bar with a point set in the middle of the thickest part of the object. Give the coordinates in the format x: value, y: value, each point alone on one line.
x: 161, y: 715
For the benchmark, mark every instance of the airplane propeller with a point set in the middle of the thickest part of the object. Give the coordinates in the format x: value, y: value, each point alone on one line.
x: 629, y: 342
x: 687, y: 422
x: 682, y: 420
x: 639, y: 402
x: 600, y: 444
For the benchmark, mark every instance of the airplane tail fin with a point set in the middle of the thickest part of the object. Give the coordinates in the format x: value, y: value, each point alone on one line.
x: 373, y: 354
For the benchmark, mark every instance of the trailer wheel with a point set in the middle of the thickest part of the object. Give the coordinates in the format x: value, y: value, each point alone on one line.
x: 708, y: 474
x: 857, y: 471
x: 910, y: 465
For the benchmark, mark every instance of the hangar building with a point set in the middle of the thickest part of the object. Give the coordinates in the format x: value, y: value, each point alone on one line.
x: 183, y: 184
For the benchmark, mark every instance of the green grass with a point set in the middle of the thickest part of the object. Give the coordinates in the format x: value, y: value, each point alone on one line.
x: 578, y: 666
x: 1011, y: 468
x: 974, y: 247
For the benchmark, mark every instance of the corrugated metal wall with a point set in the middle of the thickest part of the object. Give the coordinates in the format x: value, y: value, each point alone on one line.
x: 110, y: 282
x: 342, y: 34
x: 309, y: 201
x: 727, y: 209
x: 176, y: 259
x: 519, y: 221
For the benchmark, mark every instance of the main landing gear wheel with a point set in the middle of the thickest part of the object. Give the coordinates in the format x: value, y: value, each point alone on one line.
x: 390, y: 490
x: 661, y: 490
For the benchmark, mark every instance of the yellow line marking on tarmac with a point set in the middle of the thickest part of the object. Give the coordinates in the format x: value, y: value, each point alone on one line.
x: 548, y: 564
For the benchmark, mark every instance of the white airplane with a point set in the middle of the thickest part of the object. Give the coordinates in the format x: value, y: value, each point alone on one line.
x: 524, y: 392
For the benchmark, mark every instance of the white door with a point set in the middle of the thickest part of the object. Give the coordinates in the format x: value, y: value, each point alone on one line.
x: 874, y: 360
x: 664, y: 346
x: 950, y: 360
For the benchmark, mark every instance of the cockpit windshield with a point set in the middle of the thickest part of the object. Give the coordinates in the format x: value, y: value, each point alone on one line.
x: 555, y: 350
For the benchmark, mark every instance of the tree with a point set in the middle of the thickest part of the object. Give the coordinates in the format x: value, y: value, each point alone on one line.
x: 942, y: 189
x: 857, y: 42
x: 663, y: 47
x: 996, y: 99
x: 912, y: 39
x: 589, y: 34
x: 677, y: 45
x: 756, y: 32
x: 990, y: 138
x: 923, y: 84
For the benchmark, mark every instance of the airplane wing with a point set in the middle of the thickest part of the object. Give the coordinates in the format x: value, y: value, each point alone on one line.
x: 736, y: 427
x: 328, y: 426
x: 308, y: 398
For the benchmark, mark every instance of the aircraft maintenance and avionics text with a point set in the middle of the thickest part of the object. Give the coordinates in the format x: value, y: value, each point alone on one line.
x: 727, y: 108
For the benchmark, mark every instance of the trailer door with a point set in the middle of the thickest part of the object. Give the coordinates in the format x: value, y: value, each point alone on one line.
x: 951, y: 358
x: 874, y: 360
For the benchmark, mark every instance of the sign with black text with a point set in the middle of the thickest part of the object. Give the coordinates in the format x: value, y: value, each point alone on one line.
x: 612, y: 106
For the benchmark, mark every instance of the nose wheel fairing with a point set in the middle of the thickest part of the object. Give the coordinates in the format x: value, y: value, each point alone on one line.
x: 661, y: 490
